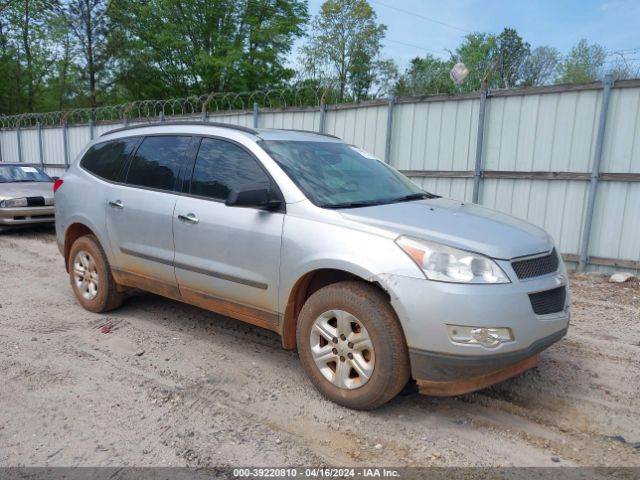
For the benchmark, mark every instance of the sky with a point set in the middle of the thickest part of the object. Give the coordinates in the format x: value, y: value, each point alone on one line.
x: 557, y: 23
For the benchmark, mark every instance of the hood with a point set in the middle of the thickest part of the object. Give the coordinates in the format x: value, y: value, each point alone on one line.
x: 27, y: 189
x: 457, y: 224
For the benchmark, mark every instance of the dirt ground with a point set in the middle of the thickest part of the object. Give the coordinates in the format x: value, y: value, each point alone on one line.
x: 175, y: 385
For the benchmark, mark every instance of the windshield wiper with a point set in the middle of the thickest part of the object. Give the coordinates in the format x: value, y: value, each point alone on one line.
x: 386, y: 201
x: 369, y: 203
x: 415, y: 196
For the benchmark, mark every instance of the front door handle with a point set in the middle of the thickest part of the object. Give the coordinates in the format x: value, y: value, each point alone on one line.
x: 189, y: 218
x: 117, y: 204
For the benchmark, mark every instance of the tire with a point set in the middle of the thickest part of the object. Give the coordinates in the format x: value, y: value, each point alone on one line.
x: 98, y: 293
x: 382, y: 371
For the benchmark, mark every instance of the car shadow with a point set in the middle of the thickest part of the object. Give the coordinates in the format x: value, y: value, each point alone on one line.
x: 28, y: 230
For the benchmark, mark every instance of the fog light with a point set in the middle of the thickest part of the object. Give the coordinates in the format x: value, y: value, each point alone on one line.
x: 484, y: 336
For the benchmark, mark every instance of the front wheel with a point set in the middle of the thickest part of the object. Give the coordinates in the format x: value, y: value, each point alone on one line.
x: 351, y: 345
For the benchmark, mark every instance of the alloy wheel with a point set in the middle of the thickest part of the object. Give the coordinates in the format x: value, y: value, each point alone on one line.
x: 342, y: 349
x: 85, y: 275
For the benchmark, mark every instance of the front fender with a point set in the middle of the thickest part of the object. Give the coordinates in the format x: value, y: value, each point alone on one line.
x: 309, y: 245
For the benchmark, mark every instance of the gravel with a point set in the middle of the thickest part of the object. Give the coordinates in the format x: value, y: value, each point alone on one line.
x: 171, y: 384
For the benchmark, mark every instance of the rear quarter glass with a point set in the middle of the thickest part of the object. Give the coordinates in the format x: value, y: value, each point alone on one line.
x: 107, y: 159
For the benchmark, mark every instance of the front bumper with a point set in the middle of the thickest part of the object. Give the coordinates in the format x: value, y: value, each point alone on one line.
x: 425, y: 308
x: 447, y: 367
x: 27, y: 215
x: 448, y: 388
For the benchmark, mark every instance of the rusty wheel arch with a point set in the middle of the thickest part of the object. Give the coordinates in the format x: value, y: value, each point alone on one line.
x: 306, y: 286
x: 73, y: 232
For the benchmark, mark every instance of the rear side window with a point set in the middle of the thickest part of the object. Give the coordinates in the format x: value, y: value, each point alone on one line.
x: 107, y: 159
x: 157, y: 162
x: 223, y: 166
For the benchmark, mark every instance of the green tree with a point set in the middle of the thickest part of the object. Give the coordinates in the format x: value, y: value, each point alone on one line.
x: 584, y: 63
x: 344, y: 44
x: 512, y: 52
x: 197, y: 46
x: 89, y: 26
x: 426, y: 75
x: 64, y: 84
x: 541, y: 66
x: 8, y: 71
x: 386, y: 77
x: 26, y: 51
x: 478, y: 52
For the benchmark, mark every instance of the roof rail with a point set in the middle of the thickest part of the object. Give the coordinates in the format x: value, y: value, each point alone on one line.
x: 309, y: 131
x: 187, y: 122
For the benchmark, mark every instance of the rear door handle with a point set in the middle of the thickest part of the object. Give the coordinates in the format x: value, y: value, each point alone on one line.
x: 189, y: 218
x: 117, y: 204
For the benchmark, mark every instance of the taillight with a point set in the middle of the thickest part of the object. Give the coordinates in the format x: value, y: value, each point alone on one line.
x: 57, y: 184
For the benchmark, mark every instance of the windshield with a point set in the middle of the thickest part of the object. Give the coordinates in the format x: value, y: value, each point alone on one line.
x: 19, y: 173
x: 336, y: 175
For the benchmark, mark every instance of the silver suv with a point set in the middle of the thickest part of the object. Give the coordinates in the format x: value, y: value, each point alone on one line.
x: 373, y: 280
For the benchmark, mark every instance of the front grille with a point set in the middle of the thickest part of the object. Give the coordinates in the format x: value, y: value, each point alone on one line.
x: 550, y: 301
x: 35, y: 201
x: 535, y: 267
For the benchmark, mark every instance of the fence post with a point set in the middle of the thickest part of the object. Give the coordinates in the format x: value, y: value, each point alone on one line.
x: 387, y: 141
x: 256, y: 113
x: 161, y: 116
x: 323, y: 116
x: 40, y: 150
x: 65, y: 141
x: 92, y: 125
x: 595, y: 173
x: 477, y: 171
x: 18, y: 136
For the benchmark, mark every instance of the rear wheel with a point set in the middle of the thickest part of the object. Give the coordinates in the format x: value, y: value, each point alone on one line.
x: 352, y: 346
x: 90, y: 276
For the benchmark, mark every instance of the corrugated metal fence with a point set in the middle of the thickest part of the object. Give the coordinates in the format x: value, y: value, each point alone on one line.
x: 551, y: 155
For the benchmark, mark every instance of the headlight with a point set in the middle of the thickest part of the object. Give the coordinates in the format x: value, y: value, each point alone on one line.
x: 448, y: 264
x: 13, y: 202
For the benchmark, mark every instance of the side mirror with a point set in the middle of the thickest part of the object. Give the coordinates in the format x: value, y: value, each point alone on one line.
x: 255, y: 198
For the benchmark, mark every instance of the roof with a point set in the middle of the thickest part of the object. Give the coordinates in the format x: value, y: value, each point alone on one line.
x: 256, y: 133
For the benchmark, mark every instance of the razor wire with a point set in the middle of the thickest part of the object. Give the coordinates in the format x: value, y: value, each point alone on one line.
x: 215, y: 102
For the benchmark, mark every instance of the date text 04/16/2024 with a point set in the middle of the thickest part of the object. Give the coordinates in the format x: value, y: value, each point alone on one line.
x: 315, y: 473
